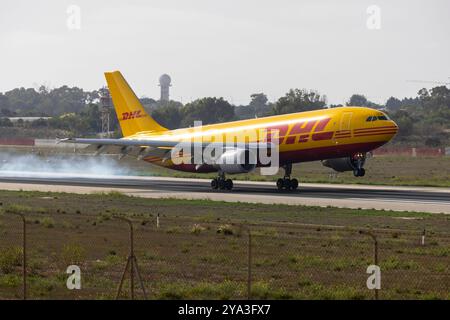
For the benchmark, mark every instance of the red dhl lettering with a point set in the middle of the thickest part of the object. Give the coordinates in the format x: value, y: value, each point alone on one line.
x: 304, y: 128
x: 290, y: 139
x: 277, y: 131
x: 322, y: 136
x: 132, y: 115
x: 303, y: 138
x: 322, y: 124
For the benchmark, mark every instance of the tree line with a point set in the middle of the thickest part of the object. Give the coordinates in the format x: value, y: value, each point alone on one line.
x: 423, y: 119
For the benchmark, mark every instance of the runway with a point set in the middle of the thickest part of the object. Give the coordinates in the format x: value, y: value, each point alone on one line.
x: 416, y: 199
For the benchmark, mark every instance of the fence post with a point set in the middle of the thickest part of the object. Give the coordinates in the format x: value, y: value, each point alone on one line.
x: 24, y: 255
x: 375, y: 252
x: 132, y: 263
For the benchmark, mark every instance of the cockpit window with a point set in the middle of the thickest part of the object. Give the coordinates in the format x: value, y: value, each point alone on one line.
x: 375, y: 118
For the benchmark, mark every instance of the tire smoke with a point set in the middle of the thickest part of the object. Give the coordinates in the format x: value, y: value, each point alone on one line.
x: 27, y: 164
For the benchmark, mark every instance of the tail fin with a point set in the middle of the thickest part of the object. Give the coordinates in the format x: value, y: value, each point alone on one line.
x: 131, y: 114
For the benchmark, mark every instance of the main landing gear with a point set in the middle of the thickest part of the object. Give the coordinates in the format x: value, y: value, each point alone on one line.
x: 221, y: 182
x: 286, y: 183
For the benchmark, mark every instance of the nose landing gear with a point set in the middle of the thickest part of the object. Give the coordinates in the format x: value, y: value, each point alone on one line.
x: 286, y: 183
x: 359, y: 159
x: 221, y: 182
x: 359, y: 172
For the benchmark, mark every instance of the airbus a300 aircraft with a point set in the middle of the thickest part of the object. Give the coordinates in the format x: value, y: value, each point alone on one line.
x: 339, y: 137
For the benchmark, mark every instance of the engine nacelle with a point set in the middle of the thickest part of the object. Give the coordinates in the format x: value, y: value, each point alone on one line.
x: 236, y: 161
x: 345, y: 164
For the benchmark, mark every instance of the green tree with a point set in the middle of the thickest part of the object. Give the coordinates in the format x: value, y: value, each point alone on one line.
x: 297, y: 100
x: 169, y: 116
x: 208, y: 110
x: 4, y: 105
x: 405, y: 122
x: 393, y: 104
x: 258, y: 103
x: 358, y: 100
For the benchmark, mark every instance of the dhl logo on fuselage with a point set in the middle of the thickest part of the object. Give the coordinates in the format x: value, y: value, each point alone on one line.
x: 305, y: 130
x: 302, y: 130
x: 132, y: 115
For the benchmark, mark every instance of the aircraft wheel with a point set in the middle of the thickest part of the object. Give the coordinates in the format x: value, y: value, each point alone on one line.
x: 359, y: 172
x: 214, y: 184
x: 229, y: 184
x: 286, y: 183
x: 280, y: 184
x: 294, y: 184
x: 221, y: 184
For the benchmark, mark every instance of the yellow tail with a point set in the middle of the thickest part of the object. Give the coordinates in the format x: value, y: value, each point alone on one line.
x: 131, y: 114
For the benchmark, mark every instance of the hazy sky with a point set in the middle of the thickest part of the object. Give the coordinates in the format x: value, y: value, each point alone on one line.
x: 229, y: 48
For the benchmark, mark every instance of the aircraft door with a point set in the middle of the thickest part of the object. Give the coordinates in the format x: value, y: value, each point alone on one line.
x: 346, y: 121
x: 344, y: 124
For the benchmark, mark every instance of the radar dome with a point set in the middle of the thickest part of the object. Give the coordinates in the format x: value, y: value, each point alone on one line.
x: 165, y: 80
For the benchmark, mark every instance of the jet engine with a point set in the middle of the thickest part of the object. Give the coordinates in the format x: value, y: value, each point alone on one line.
x: 236, y: 161
x: 354, y: 163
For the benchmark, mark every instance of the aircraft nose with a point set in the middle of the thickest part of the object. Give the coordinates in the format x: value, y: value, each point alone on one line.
x: 394, y: 129
x: 394, y: 124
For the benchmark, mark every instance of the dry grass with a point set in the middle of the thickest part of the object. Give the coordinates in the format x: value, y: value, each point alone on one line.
x: 187, y: 258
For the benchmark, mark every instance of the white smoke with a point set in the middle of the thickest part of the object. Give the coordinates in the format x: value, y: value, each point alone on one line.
x: 23, y: 165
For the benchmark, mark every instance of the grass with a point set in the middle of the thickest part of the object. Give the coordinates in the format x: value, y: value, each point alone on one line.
x: 394, y: 263
x: 225, y: 290
x: 10, y: 280
x: 10, y: 258
x: 48, y: 222
x: 72, y: 253
x: 17, y: 208
x: 298, y: 252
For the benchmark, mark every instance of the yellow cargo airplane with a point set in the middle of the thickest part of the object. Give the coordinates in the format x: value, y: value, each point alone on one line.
x: 339, y: 137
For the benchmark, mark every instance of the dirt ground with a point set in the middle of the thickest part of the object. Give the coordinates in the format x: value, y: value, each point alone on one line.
x: 200, y: 249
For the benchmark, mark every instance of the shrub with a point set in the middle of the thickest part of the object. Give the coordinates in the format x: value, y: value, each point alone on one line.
x: 48, y: 222
x: 173, y: 230
x: 197, y: 229
x: 17, y: 208
x: 10, y: 258
x: 10, y: 281
x: 225, y: 229
x: 72, y: 254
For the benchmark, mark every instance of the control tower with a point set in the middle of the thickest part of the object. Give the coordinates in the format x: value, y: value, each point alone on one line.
x: 164, y: 83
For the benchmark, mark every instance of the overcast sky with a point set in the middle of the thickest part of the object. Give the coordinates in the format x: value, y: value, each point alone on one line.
x: 229, y: 48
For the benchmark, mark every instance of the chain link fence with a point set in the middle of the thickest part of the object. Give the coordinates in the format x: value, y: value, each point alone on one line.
x: 205, y: 258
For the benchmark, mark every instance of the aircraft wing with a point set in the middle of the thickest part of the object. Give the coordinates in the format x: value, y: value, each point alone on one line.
x: 139, y: 147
